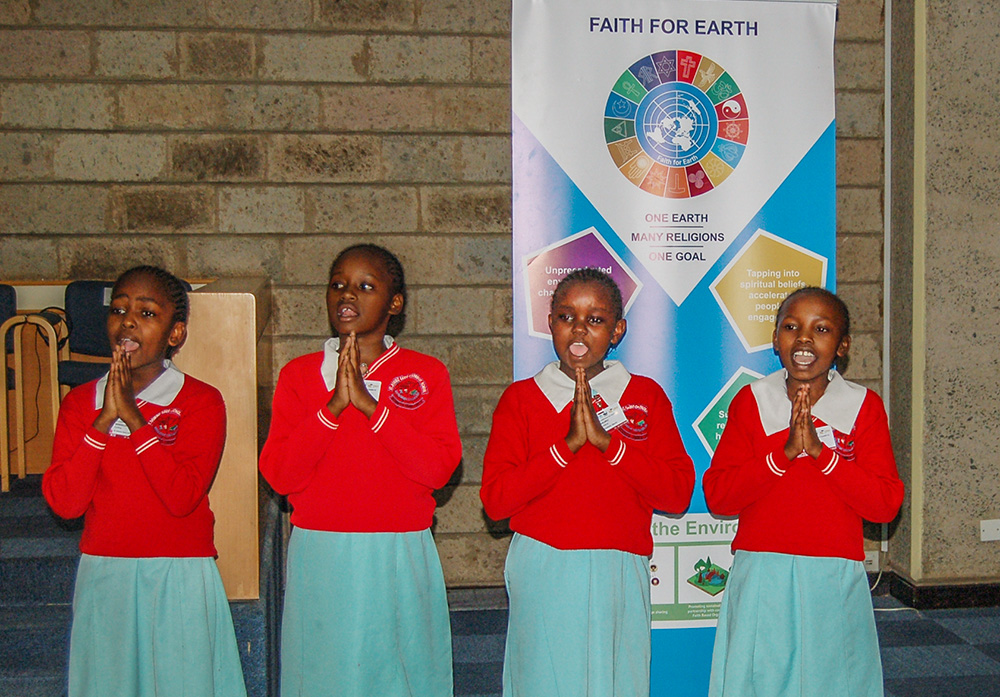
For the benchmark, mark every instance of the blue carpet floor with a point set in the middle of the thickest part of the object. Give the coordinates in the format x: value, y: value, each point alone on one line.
x: 939, y: 653
x: 931, y: 653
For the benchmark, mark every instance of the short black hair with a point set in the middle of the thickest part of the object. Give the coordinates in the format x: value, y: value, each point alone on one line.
x: 592, y: 275
x: 174, y: 288
x: 394, y: 269
x: 845, y: 316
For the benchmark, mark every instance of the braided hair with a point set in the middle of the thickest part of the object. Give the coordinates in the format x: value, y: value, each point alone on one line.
x: 832, y: 298
x: 592, y: 275
x: 174, y: 288
x: 839, y: 305
x: 393, y: 268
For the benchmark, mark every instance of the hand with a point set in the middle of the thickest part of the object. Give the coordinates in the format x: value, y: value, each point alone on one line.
x: 124, y: 392
x: 583, y: 423
x: 596, y: 434
x: 341, y: 396
x: 109, y: 412
x: 119, y: 396
x: 360, y: 397
x: 577, y: 435
x: 350, y: 387
x: 802, y: 436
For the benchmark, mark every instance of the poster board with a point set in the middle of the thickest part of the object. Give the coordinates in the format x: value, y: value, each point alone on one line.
x: 687, y: 148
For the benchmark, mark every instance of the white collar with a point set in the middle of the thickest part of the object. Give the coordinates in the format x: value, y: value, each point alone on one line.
x: 838, y: 407
x: 559, y: 388
x: 331, y: 355
x: 161, y: 392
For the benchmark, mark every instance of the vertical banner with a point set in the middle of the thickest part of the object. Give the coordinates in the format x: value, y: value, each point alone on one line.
x: 687, y: 148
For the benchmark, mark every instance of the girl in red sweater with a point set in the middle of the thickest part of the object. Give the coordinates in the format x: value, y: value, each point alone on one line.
x: 578, y: 458
x: 135, y: 452
x: 362, y: 433
x: 804, y: 458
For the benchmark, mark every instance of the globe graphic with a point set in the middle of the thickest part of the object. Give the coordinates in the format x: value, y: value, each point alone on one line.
x: 676, y: 124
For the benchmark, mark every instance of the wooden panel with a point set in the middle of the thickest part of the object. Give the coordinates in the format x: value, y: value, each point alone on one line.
x: 38, y: 396
x: 221, y: 350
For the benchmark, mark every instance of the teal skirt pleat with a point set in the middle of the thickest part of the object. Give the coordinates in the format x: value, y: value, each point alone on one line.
x: 579, y: 622
x: 365, y: 615
x: 796, y: 626
x: 145, y: 627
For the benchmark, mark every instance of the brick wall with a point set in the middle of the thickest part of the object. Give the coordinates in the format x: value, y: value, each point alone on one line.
x: 236, y: 137
x: 860, y: 77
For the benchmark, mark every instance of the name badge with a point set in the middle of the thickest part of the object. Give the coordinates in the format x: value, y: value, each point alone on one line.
x: 608, y: 415
x: 374, y: 388
x: 826, y: 437
x: 118, y: 428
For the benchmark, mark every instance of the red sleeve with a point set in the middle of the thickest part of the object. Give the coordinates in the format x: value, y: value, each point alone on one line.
x: 298, y: 438
x: 514, y: 474
x: 869, y: 484
x: 423, y: 442
x: 658, y: 468
x: 743, y: 468
x: 77, y: 449
x: 180, y: 474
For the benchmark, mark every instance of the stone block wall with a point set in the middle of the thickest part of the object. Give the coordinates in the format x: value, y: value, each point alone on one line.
x: 239, y: 137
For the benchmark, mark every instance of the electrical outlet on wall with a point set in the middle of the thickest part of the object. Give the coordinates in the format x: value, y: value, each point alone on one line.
x: 871, y: 561
x: 989, y: 530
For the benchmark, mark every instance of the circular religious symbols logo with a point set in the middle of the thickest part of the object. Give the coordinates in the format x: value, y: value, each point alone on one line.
x: 676, y: 124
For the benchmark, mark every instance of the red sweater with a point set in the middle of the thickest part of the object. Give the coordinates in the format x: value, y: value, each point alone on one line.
x: 590, y: 499
x: 804, y: 506
x: 352, y: 474
x: 144, y: 495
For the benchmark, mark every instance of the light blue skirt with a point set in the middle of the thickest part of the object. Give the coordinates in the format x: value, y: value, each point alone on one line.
x: 152, y: 627
x: 579, y: 622
x: 796, y: 626
x: 365, y: 615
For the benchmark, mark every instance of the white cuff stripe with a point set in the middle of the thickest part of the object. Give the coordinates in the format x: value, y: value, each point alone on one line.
x: 833, y: 463
x: 619, y: 456
x: 97, y: 445
x: 773, y: 467
x: 554, y: 451
x: 325, y: 420
x: 380, y: 421
x: 140, y: 449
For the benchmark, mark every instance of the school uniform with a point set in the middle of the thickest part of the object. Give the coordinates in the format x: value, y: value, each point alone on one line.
x: 578, y: 567
x: 797, y: 616
x: 365, y: 605
x: 150, y: 615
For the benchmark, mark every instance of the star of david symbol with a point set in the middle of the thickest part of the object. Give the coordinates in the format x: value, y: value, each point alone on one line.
x: 667, y: 65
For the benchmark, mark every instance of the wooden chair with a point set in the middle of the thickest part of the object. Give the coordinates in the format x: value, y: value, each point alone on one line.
x: 11, y: 331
